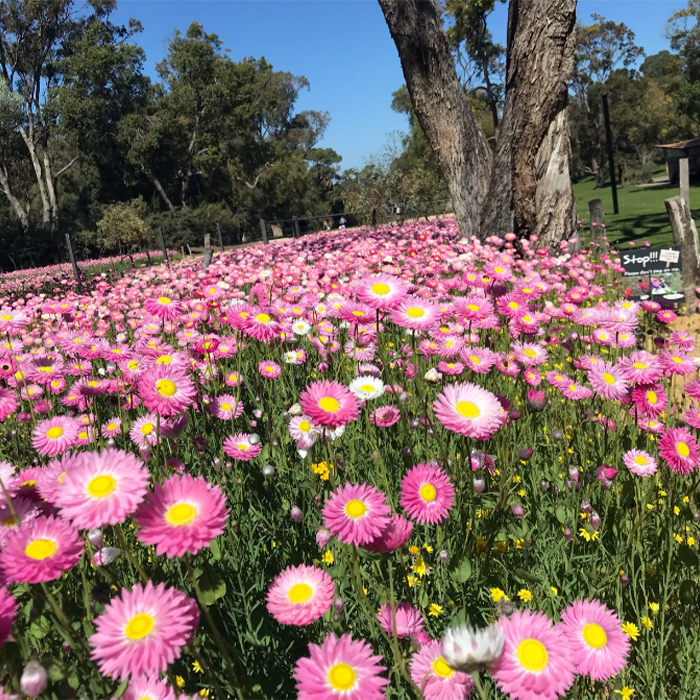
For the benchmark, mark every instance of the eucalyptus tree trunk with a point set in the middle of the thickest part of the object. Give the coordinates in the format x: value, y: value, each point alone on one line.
x: 525, y: 185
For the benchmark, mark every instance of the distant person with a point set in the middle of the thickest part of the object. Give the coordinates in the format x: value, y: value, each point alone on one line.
x: 327, y: 225
x: 341, y: 223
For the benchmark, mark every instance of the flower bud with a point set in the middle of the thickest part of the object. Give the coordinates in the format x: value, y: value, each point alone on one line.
x: 257, y: 413
x: 34, y: 679
x: 95, y: 537
x: 145, y: 453
x: 568, y: 534
x: 479, y: 485
x: 586, y: 506
x: 444, y: 556
x: 111, y: 442
x: 432, y: 375
x: 696, y: 517
x: 517, y: 509
x: 525, y: 454
x: 477, y: 458
x: 217, y: 463
x: 323, y: 537
x: 624, y: 579
x: 254, y: 439
x: 557, y: 435
x: 268, y: 471
x: 106, y: 556
x: 403, y: 397
x: 544, y: 485
x: 594, y: 520
x: 296, y: 514
x: 295, y: 410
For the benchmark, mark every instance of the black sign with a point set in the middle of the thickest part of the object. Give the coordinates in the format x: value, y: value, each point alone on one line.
x: 652, y: 261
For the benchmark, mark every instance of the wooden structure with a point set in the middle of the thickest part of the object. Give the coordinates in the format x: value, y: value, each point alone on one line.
x: 685, y: 234
x: 682, y: 149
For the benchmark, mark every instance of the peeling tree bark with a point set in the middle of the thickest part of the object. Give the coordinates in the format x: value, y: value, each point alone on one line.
x: 525, y: 185
x: 441, y: 105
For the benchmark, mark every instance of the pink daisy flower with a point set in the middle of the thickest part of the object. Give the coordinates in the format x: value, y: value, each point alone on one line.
x: 40, y: 550
x: 692, y: 389
x: 479, y: 360
x: 427, y: 494
x: 24, y: 510
x: 415, y: 314
x: 8, y: 611
x: 143, y: 630
x: 226, y: 407
x: 164, y: 307
x: 576, y: 392
x: 451, y: 368
x: 608, y: 381
x: 239, y: 447
x: 340, y: 669
x: 677, y: 363
x: 536, y: 663
x: 385, y: 416
x: 329, y: 403
x: 269, y: 369
x: 682, y: 340
x: 381, y: 291
x: 474, y: 308
x: 469, y: 410
x: 112, y: 428
x: 393, y: 536
x: 55, y: 435
x: 529, y: 354
x: 183, y: 515
x: 409, y: 621
x: 692, y: 418
x: 356, y: 513
x: 144, y: 431
x: 595, y: 637
x: 680, y: 450
x: 651, y: 399
x: 8, y: 403
x: 102, y: 488
x: 430, y: 672
x: 639, y: 462
x: 302, y: 428
x: 641, y: 367
x: 651, y: 425
x: 300, y: 595
x: 262, y: 326
x: 166, y: 390
x: 149, y: 688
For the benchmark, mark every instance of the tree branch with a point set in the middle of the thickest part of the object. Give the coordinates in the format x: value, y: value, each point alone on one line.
x: 266, y: 168
x: 66, y: 167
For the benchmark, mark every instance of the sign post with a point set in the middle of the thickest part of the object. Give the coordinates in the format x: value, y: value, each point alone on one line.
x: 74, y: 265
x: 162, y: 244
x: 658, y: 272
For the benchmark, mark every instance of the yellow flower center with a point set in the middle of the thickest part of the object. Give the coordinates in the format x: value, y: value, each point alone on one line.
x: 166, y: 388
x: 7, y: 317
x: 164, y: 360
x: 683, y: 449
x: 329, y: 404
x: 473, y: 307
x: 181, y: 514
x: 367, y: 388
x: 133, y: 365
x: 380, y: 288
x: 529, y: 353
x: 28, y: 483
x: 639, y: 459
x: 263, y: 318
x: 40, y: 549
x: 677, y: 360
x: 532, y: 655
x: 499, y: 270
x: 594, y: 635
x: 468, y: 409
x: 147, y: 428
x: 54, y: 433
x: 355, y: 508
x: 9, y: 521
x: 558, y: 377
x: 300, y: 593
x: 242, y: 446
x: 475, y: 359
x: 608, y: 378
x: 101, y: 486
x: 651, y: 397
x: 639, y: 365
x: 304, y: 426
x: 428, y: 492
x: 341, y: 677
x: 358, y: 313
x: 226, y: 406
x: 440, y: 668
x: 139, y: 626
x: 513, y: 304
x: 45, y: 369
x: 112, y: 426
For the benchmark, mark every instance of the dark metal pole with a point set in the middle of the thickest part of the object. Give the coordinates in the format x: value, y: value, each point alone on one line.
x: 162, y: 244
x: 263, y: 229
x: 611, y: 159
x: 218, y: 231
x: 72, y: 259
x: 297, y: 232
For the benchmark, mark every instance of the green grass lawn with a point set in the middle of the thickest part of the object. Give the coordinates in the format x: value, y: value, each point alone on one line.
x: 642, y: 214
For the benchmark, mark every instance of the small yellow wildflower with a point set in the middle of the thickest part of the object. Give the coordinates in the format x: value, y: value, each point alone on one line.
x: 413, y: 550
x: 520, y: 543
x: 197, y: 668
x: 501, y: 546
x: 427, y: 548
x: 554, y: 590
x: 691, y: 542
x: 434, y: 609
x: 631, y: 630
x: 180, y: 681
x: 516, y: 479
x: 419, y: 567
x: 678, y: 538
x: 411, y: 581
x: 204, y: 693
x: 626, y: 692
x: 676, y: 510
x: 497, y: 594
x: 525, y: 595
x: 654, y: 607
x: 647, y: 623
x: 328, y: 557
x: 480, y: 544
x: 522, y: 493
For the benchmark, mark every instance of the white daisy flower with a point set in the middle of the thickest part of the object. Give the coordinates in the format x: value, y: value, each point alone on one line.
x: 367, y: 388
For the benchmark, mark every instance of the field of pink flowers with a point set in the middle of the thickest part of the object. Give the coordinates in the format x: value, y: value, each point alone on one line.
x: 360, y: 465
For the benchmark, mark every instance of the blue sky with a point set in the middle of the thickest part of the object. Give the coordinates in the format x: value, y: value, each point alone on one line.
x: 344, y: 49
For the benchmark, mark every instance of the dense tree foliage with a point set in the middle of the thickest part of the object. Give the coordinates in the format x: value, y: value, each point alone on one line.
x: 84, y: 133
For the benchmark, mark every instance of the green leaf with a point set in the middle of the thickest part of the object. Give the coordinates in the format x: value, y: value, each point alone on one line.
x: 211, y: 585
x: 40, y: 628
x: 526, y: 576
x: 215, y: 550
x: 121, y: 688
x: 56, y: 671
x: 688, y: 556
x: 463, y: 572
x: 561, y: 515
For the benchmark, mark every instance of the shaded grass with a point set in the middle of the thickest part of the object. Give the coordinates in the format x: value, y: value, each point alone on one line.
x: 642, y: 214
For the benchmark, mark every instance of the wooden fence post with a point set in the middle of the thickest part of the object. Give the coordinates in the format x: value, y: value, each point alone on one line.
x: 685, y: 234
x: 74, y: 265
x: 162, y: 244
x: 684, y: 179
x: 297, y: 231
x: 263, y: 230
x: 218, y: 231
x: 208, y: 252
x: 597, y: 216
